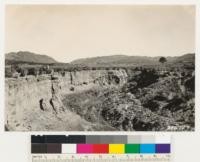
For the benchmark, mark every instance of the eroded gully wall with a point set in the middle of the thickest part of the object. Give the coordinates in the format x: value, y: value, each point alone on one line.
x: 27, y: 95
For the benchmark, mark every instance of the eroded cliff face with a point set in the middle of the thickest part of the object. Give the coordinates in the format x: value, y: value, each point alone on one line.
x: 35, y: 103
x: 126, y: 100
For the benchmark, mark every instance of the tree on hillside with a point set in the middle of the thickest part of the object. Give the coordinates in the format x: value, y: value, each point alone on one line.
x: 162, y: 60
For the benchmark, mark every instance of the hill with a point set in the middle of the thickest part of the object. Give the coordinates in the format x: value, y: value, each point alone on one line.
x: 29, y: 57
x: 190, y: 57
x: 134, y: 60
x: 113, y: 60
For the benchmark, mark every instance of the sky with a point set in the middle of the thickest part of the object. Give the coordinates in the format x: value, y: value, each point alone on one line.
x: 69, y: 32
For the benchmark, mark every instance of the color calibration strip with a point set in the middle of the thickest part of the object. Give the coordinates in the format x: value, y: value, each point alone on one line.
x: 97, y: 144
x: 101, y: 148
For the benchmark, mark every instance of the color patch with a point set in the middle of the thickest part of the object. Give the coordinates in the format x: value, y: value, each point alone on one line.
x: 54, y: 148
x: 38, y: 148
x: 84, y: 148
x: 93, y: 139
x: 69, y: 148
x: 106, y: 139
x: 38, y: 139
x: 134, y: 139
x: 55, y: 139
x: 119, y: 139
x: 147, y: 148
x: 116, y: 148
x: 163, y: 148
x: 163, y: 139
x: 148, y: 139
x: 101, y: 148
x: 76, y: 139
x: 132, y: 148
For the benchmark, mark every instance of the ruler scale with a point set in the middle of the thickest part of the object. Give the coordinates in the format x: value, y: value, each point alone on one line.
x: 97, y: 158
x: 100, y: 149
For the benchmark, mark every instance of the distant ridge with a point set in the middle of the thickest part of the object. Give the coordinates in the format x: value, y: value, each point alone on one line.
x: 190, y: 57
x: 124, y: 59
x: 29, y: 57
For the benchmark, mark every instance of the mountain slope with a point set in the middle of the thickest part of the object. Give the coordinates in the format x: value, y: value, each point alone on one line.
x: 190, y: 57
x: 124, y: 59
x: 25, y: 56
x: 114, y: 59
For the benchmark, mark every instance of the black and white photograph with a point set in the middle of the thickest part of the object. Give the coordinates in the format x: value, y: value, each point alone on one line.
x: 99, y: 67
